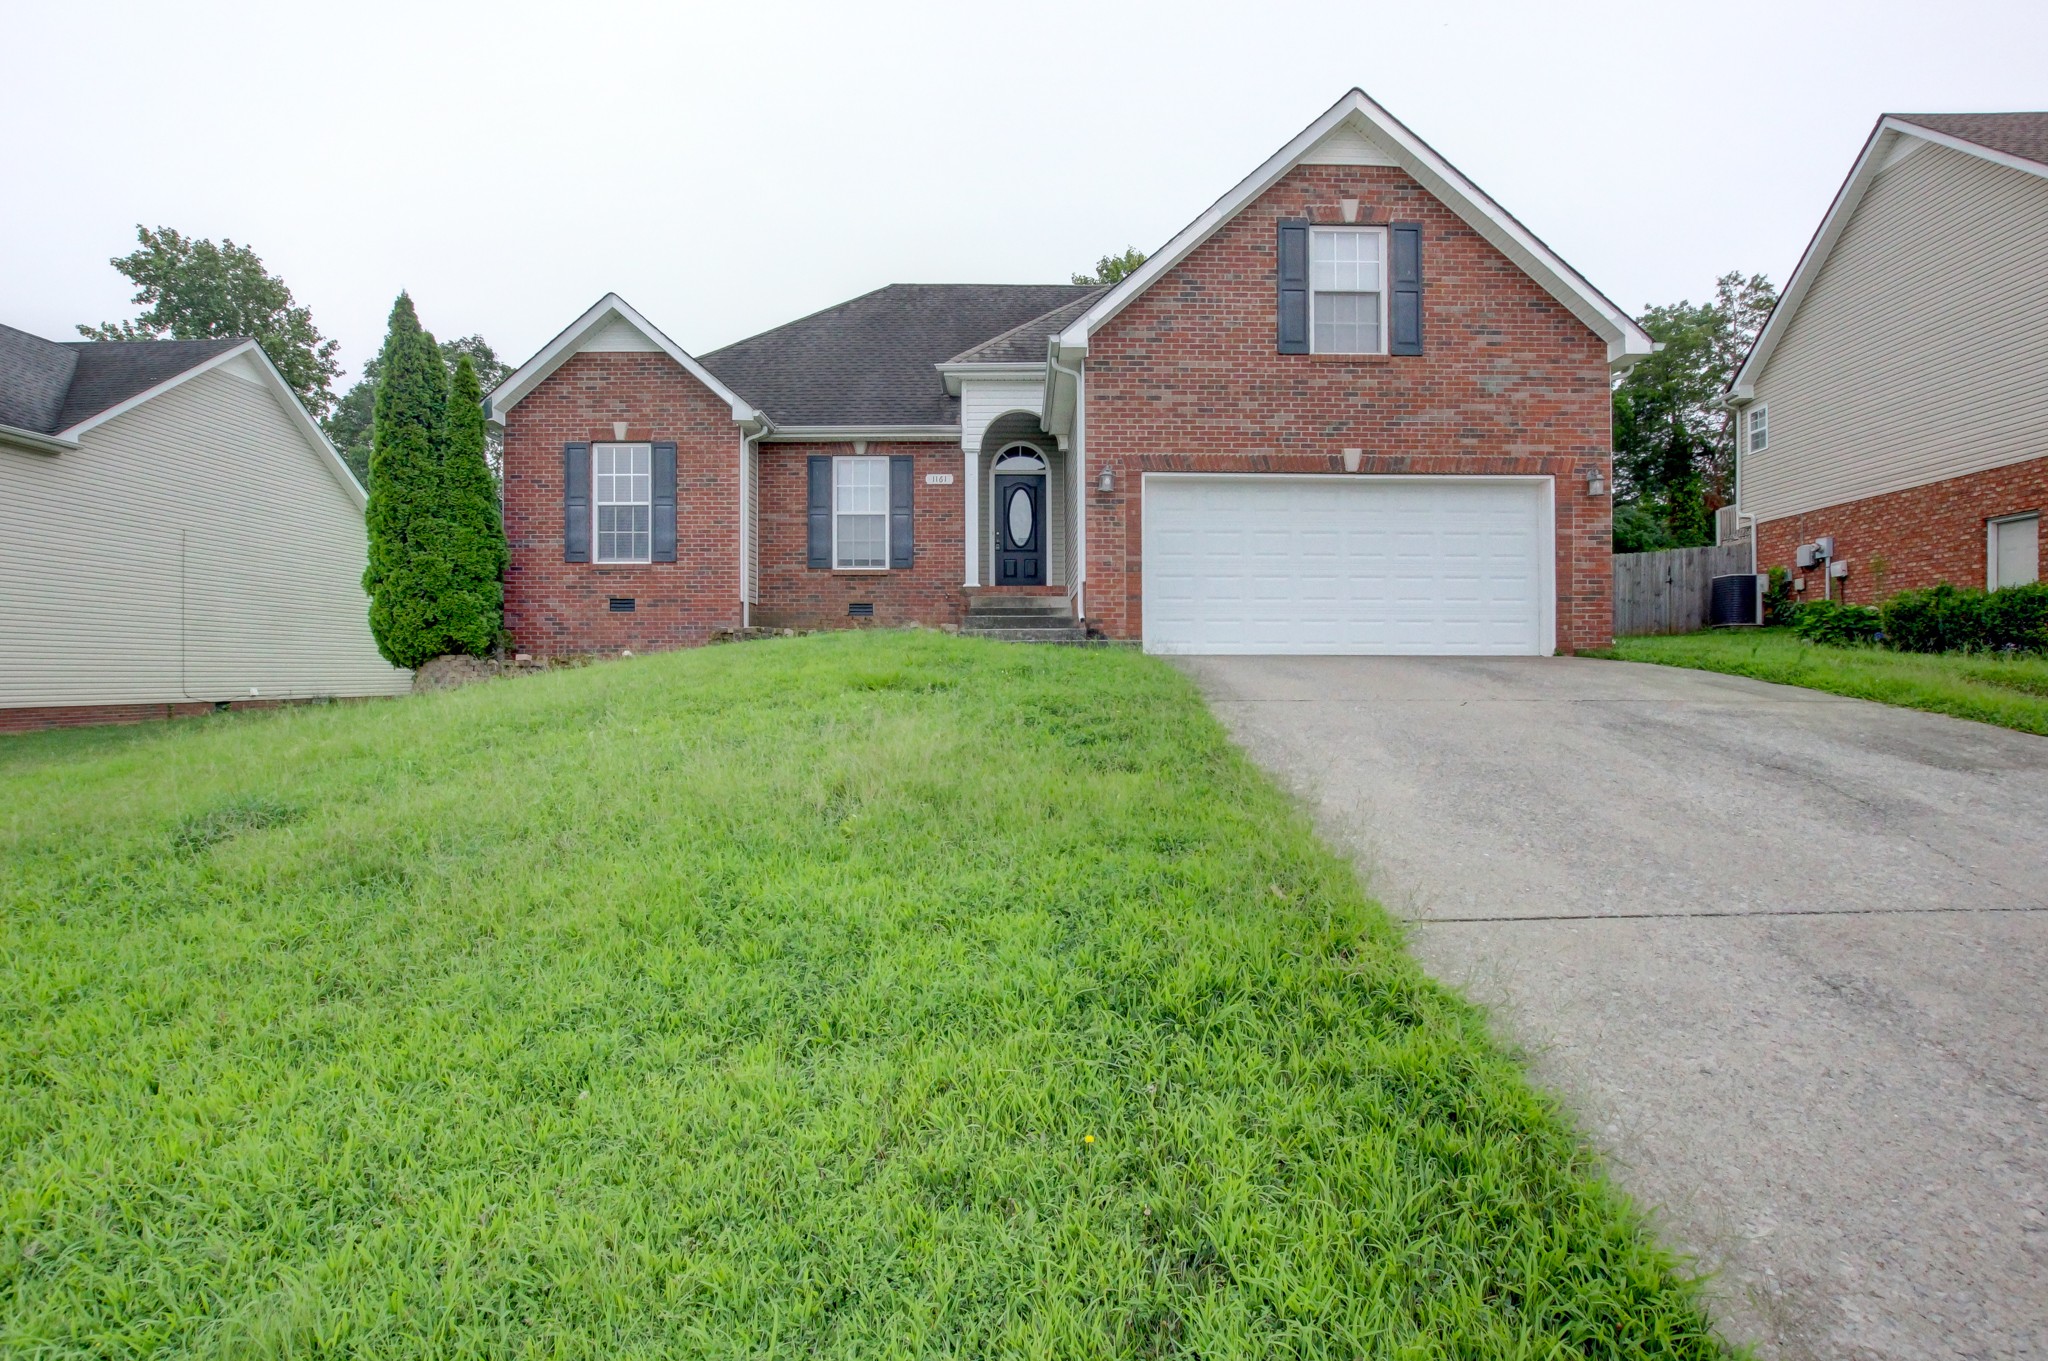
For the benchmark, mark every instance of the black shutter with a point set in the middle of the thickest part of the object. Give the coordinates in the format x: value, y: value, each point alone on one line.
x: 821, y: 512
x: 1291, y: 254
x: 902, y: 546
x: 664, y: 503
x: 575, y: 503
x: 1405, y: 304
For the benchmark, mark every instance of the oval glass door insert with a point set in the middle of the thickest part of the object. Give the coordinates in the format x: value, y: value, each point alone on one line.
x: 1020, y: 517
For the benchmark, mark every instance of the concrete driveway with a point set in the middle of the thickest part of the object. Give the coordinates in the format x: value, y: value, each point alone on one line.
x: 1785, y: 954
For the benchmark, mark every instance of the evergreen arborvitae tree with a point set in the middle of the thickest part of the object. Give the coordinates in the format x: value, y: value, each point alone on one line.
x: 408, y: 573
x: 475, y: 544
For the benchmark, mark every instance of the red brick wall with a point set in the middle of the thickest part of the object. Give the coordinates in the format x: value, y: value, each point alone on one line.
x: 1187, y: 379
x: 1923, y: 534
x: 554, y: 607
x: 795, y: 595
x: 36, y: 718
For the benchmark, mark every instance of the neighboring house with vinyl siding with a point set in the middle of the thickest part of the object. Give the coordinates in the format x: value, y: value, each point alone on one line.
x: 1896, y: 403
x: 1355, y: 406
x: 175, y: 535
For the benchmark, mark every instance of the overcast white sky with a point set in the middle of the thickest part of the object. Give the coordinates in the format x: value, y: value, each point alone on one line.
x: 729, y: 167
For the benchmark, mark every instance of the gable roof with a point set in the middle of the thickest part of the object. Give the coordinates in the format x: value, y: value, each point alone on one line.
x: 1357, y: 119
x: 868, y: 361
x: 2016, y: 134
x: 52, y: 392
x: 606, y: 311
x: 2018, y: 141
x: 1025, y: 343
x: 47, y: 387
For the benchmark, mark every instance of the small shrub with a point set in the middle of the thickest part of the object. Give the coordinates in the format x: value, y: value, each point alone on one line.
x: 2017, y: 617
x: 1941, y: 618
x: 1835, y: 624
x: 1779, y: 606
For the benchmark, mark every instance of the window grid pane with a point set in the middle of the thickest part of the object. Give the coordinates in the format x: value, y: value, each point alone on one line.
x: 1347, y: 323
x: 1346, y: 276
x: 860, y: 503
x: 624, y: 497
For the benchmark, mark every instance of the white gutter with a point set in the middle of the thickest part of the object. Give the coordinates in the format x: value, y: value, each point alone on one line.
x: 818, y: 434
x: 36, y: 440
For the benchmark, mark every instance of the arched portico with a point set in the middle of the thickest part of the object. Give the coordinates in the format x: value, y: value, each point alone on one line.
x: 1017, y: 511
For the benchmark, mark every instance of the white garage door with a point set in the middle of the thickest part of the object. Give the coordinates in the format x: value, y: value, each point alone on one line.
x: 1329, y: 564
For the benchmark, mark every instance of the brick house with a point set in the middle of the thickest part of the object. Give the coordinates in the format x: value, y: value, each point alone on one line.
x: 1893, y: 413
x: 1353, y: 407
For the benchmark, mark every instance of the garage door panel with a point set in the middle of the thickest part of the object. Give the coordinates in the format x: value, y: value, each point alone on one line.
x: 1339, y: 565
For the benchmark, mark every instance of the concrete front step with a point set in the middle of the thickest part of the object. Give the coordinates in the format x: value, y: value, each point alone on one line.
x: 1036, y: 619
x: 1070, y: 633
x: 1019, y: 604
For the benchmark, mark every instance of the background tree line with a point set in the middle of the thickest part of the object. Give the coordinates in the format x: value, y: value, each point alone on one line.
x: 1674, y: 445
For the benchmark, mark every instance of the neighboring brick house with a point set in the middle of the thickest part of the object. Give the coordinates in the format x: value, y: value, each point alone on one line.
x: 1894, y: 409
x: 1353, y: 407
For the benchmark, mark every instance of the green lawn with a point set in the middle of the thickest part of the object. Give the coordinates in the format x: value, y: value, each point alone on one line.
x: 2009, y: 691
x: 858, y: 995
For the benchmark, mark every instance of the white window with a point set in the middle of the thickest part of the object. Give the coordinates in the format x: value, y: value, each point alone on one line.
x: 1759, y: 429
x: 860, y: 513
x: 624, y: 503
x: 2015, y: 551
x: 1347, y: 290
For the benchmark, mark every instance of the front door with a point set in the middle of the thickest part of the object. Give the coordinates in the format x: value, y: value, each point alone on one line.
x: 1020, y: 529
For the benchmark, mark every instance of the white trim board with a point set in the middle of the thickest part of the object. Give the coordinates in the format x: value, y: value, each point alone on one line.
x: 1883, y: 149
x: 1626, y: 341
x: 814, y: 434
x: 604, y: 314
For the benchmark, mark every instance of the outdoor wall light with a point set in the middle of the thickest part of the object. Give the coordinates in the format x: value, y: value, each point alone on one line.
x: 1352, y: 458
x: 1596, y: 485
x: 1105, y: 480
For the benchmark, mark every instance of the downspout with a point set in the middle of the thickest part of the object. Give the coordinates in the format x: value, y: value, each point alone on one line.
x: 749, y: 494
x: 1080, y: 479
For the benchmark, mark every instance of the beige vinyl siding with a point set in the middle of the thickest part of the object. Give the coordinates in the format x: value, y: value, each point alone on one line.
x: 1921, y: 351
x: 983, y: 402
x: 190, y: 549
x: 1057, y: 512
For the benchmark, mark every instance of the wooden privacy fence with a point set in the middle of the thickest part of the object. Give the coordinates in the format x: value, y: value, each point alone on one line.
x: 1670, y: 592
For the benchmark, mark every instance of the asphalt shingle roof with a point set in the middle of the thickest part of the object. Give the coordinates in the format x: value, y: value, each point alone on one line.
x: 50, y: 385
x: 869, y: 361
x: 1025, y: 344
x: 34, y: 376
x: 2015, y: 134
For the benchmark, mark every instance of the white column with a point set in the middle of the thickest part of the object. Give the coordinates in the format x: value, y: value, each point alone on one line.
x: 971, y: 492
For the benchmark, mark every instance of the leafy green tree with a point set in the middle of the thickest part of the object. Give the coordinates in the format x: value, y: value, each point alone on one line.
x: 196, y: 290
x: 1674, y: 444
x: 409, y: 572
x: 1112, y: 268
x: 348, y: 426
x: 475, y: 540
